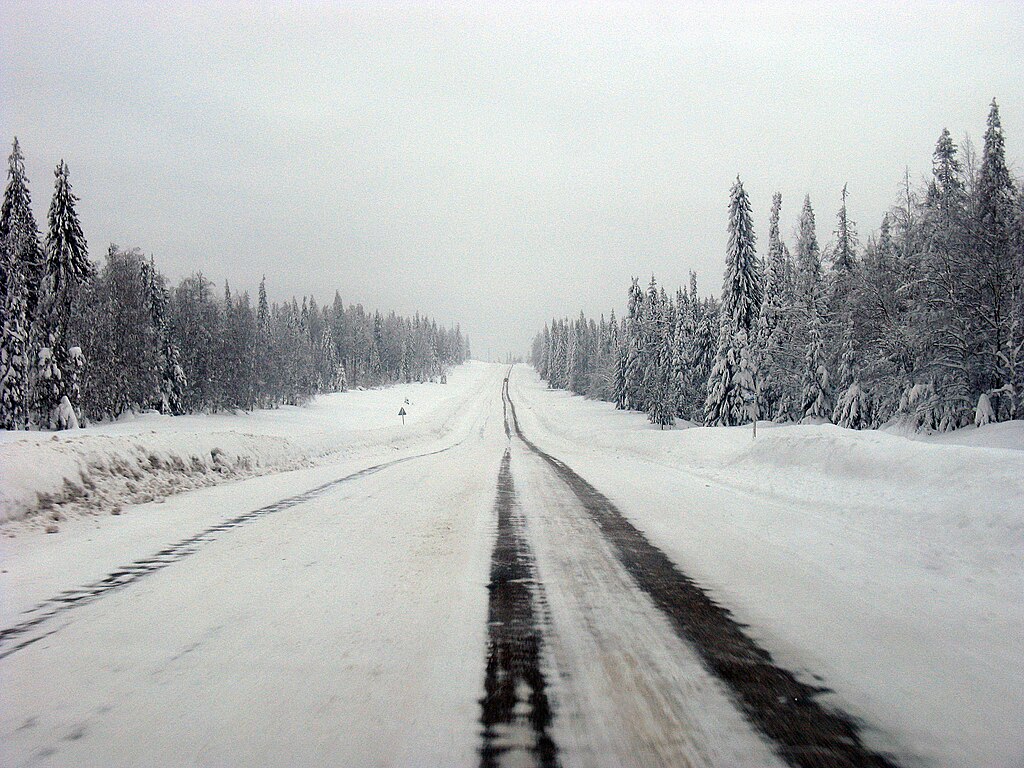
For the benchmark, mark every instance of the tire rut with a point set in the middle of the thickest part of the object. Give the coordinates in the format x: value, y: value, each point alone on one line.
x: 515, y: 711
x: 803, y: 731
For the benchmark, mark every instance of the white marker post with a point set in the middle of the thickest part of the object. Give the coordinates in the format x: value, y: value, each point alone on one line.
x: 401, y: 412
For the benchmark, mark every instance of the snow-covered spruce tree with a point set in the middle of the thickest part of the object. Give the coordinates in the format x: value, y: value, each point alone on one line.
x: 112, y: 318
x: 702, y: 356
x: 853, y: 406
x: 742, y: 289
x: 1016, y: 343
x: 593, y: 385
x: 773, y: 295
x: 769, y: 338
x: 634, y: 344
x: 732, y: 387
x: 327, y: 360
x: 605, y: 364
x: 172, y: 382
x: 816, y: 403
x: 156, y: 301
x: 237, y: 341
x: 19, y: 230
x: 682, y: 340
x: 808, y: 257
x: 560, y: 369
x: 997, y: 280
x: 67, y: 269
x: 20, y: 264
x: 572, y: 357
x: 73, y: 389
x: 543, y: 362
x: 196, y: 322
x: 724, y: 406
x: 14, y: 396
x: 747, y: 378
x: 663, y: 399
x: 650, y: 348
x: 806, y: 329
x: 67, y: 256
x: 265, y: 397
x: 742, y: 294
x: 621, y: 397
x: 947, y: 319
x: 662, y: 410
x: 882, y: 326
x: 844, y: 261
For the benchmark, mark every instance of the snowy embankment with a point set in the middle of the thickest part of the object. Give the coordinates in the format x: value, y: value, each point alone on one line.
x: 46, y: 477
x: 891, y: 567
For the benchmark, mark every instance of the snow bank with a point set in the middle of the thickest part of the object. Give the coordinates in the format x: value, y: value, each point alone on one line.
x: 47, y: 476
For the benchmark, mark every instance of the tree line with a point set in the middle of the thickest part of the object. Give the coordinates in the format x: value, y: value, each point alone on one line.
x: 923, y: 322
x: 82, y: 341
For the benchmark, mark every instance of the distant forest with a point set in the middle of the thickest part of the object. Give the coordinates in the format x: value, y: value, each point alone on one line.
x: 924, y: 322
x: 82, y: 341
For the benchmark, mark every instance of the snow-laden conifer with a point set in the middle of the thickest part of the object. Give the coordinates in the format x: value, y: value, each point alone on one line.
x: 742, y: 288
x: 816, y: 384
x: 67, y: 257
x: 853, y: 406
x: 14, y: 362
x: 23, y: 256
x: 808, y: 256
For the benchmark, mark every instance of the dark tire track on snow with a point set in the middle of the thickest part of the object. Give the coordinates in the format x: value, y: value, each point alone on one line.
x: 803, y: 731
x: 515, y: 711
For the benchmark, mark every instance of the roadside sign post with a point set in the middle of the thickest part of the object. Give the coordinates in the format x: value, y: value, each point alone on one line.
x: 401, y: 412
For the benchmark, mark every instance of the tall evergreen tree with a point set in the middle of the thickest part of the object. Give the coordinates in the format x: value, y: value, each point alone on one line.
x: 67, y: 269
x: 23, y: 253
x: 817, y: 384
x: 67, y: 257
x: 742, y: 289
x: 947, y: 319
x: 998, y: 284
x: 853, y: 404
x: 844, y: 260
x: 725, y: 405
x: 808, y: 256
x: 634, y: 348
x: 769, y: 340
x: 14, y: 355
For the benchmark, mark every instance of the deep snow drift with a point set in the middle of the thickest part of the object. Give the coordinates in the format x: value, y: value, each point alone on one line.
x: 892, y: 567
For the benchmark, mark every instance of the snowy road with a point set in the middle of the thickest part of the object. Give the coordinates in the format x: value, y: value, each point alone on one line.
x: 468, y: 602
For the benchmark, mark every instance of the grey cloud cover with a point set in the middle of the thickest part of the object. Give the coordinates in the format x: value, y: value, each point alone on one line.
x: 491, y: 164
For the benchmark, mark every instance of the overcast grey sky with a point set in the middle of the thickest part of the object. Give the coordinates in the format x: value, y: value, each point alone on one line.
x: 492, y: 164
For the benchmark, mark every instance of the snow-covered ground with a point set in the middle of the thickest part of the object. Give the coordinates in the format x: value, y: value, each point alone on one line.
x: 892, y: 567
x: 348, y: 628
x: 289, y: 449
x: 351, y: 626
x: 150, y: 456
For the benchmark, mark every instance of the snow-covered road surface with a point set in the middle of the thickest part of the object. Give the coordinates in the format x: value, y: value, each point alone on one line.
x: 459, y: 602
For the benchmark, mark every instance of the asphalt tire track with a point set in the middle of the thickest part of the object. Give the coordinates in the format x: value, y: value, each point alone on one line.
x: 515, y: 711
x: 129, y: 574
x: 802, y: 730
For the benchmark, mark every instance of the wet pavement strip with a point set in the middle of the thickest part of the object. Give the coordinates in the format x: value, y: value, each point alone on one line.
x: 129, y: 574
x: 803, y: 731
